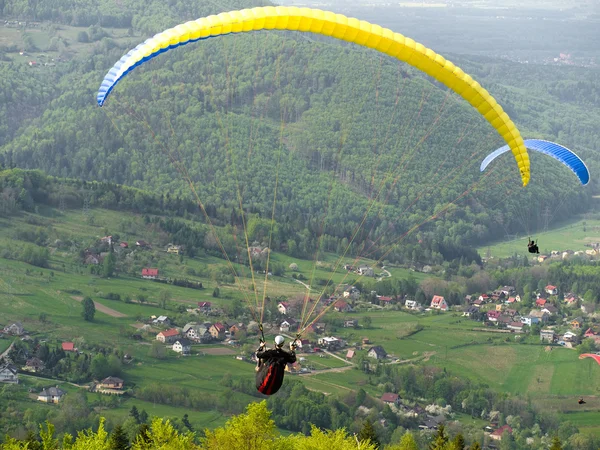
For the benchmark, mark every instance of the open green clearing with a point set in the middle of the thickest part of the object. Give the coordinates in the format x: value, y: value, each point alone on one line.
x: 571, y: 235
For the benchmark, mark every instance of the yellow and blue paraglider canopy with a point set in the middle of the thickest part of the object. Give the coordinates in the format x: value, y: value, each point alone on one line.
x: 337, y: 26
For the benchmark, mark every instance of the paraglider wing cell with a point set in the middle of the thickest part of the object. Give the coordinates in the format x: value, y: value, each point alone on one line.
x: 339, y: 27
x: 557, y: 151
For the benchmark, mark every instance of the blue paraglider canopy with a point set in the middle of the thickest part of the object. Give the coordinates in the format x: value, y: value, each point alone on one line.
x: 558, y: 152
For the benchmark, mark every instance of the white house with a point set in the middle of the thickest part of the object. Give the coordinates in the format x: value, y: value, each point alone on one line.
x: 377, y: 352
x: 283, y: 307
x: 366, y: 271
x: 16, y: 329
x: 9, y: 374
x: 552, y: 290
x: 161, y: 320
x: 182, y: 346
x: 439, y: 302
x: 352, y: 293
x: 284, y: 327
x: 530, y: 320
x: 51, y: 395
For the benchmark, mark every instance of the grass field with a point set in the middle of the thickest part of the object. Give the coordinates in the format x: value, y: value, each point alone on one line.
x: 571, y: 235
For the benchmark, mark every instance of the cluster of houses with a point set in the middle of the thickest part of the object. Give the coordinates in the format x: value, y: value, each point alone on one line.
x: 360, y: 270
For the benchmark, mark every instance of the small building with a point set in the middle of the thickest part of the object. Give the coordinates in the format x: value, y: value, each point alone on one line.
x: 366, y: 271
x: 9, y: 374
x: 540, y: 302
x: 175, y: 249
x: 197, y: 333
x: 182, y: 346
x: 149, y: 274
x: 162, y: 320
x: 217, y: 331
x: 142, y: 244
x: 34, y: 365
x: 124, y: 245
x: 51, y: 395
x: 551, y: 290
x: 283, y: 307
x: 515, y: 326
x: 168, y: 336
x: 351, y: 292
x: 204, y: 307
x: 492, y: 316
x: 68, y: 347
x: 342, y: 306
x: 284, y: 327
x: 330, y: 343
x: 576, y: 323
x: 350, y: 323
x: 497, y: 434
x: 412, y: 305
x: 439, y: 302
x: 530, y: 320
x: 377, y: 352
x: 111, y: 383
x: 570, y: 337
x: 350, y: 354
x: 14, y: 329
x: 237, y: 328
x: 389, y: 398
x: 547, y: 336
x: 550, y: 309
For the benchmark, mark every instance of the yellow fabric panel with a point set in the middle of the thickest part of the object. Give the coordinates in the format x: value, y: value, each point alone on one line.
x: 353, y: 30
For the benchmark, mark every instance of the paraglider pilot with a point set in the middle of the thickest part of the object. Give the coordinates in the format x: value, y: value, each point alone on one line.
x: 532, y: 246
x: 271, y: 365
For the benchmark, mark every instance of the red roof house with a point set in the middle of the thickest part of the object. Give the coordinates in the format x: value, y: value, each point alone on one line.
x: 342, y: 306
x: 551, y: 289
x: 497, y: 434
x: 439, y: 302
x: 540, y: 302
x: 390, y: 398
x: 68, y: 346
x: 149, y: 273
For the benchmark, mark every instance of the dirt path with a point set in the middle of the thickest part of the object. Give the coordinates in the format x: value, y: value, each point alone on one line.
x: 334, y: 370
x: 103, y: 309
x: 7, y: 351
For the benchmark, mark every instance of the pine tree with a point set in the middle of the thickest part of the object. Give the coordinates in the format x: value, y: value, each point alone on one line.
x: 118, y: 439
x: 89, y: 309
x: 187, y: 423
x: 143, y: 416
x: 440, y: 439
x: 135, y: 413
x: 556, y: 444
x: 367, y: 433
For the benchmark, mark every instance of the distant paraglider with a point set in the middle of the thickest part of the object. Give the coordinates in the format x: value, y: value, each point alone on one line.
x: 581, y: 401
x: 558, y: 152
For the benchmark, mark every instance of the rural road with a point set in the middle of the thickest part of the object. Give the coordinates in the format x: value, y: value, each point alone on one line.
x: 303, y: 284
x: 7, y: 351
x: 103, y: 309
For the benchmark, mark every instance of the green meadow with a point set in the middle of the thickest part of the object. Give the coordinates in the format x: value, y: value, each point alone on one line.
x: 571, y: 235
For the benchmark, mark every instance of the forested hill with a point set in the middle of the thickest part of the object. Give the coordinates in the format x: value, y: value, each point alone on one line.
x: 318, y: 125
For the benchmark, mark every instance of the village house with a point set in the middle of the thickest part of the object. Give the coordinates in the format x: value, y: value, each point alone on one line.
x: 93, y: 259
x: 550, y: 309
x: 342, y: 306
x: 543, y: 316
x: 542, y: 258
x: 478, y: 303
x: 168, y: 336
x: 9, y: 373
x: 571, y: 337
x: 124, y: 245
x: 350, y: 323
x: 142, y: 244
x: 283, y: 307
x: 412, y: 304
x: 284, y: 326
x: 439, y: 302
x: 511, y: 300
x: 51, y: 395
x: 547, y: 336
x: 515, y: 326
x: 530, y: 320
x: 111, y: 383
x: 236, y: 328
x: 377, y: 352
x: 352, y: 293
x: 540, y: 302
x: 503, y: 319
x: 175, y: 249
x: 576, y: 323
x: 162, y: 320
x: 551, y: 290
x: 497, y: 434
x: 366, y: 271
x: 204, y: 307
x: 14, y: 329
x: 484, y: 298
x: 182, y: 346
x: 34, y: 365
x: 217, y: 331
x: 68, y: 347
x: 384, y: 300
x: 389, y: 398
x: 570, y: 299
x: 150, y: 274
x: 197, y: 333
x: 508, y: 290
x: 492, y: 316
x: 331, y: 343
x: 470, y: 310
x: 590, y: 333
